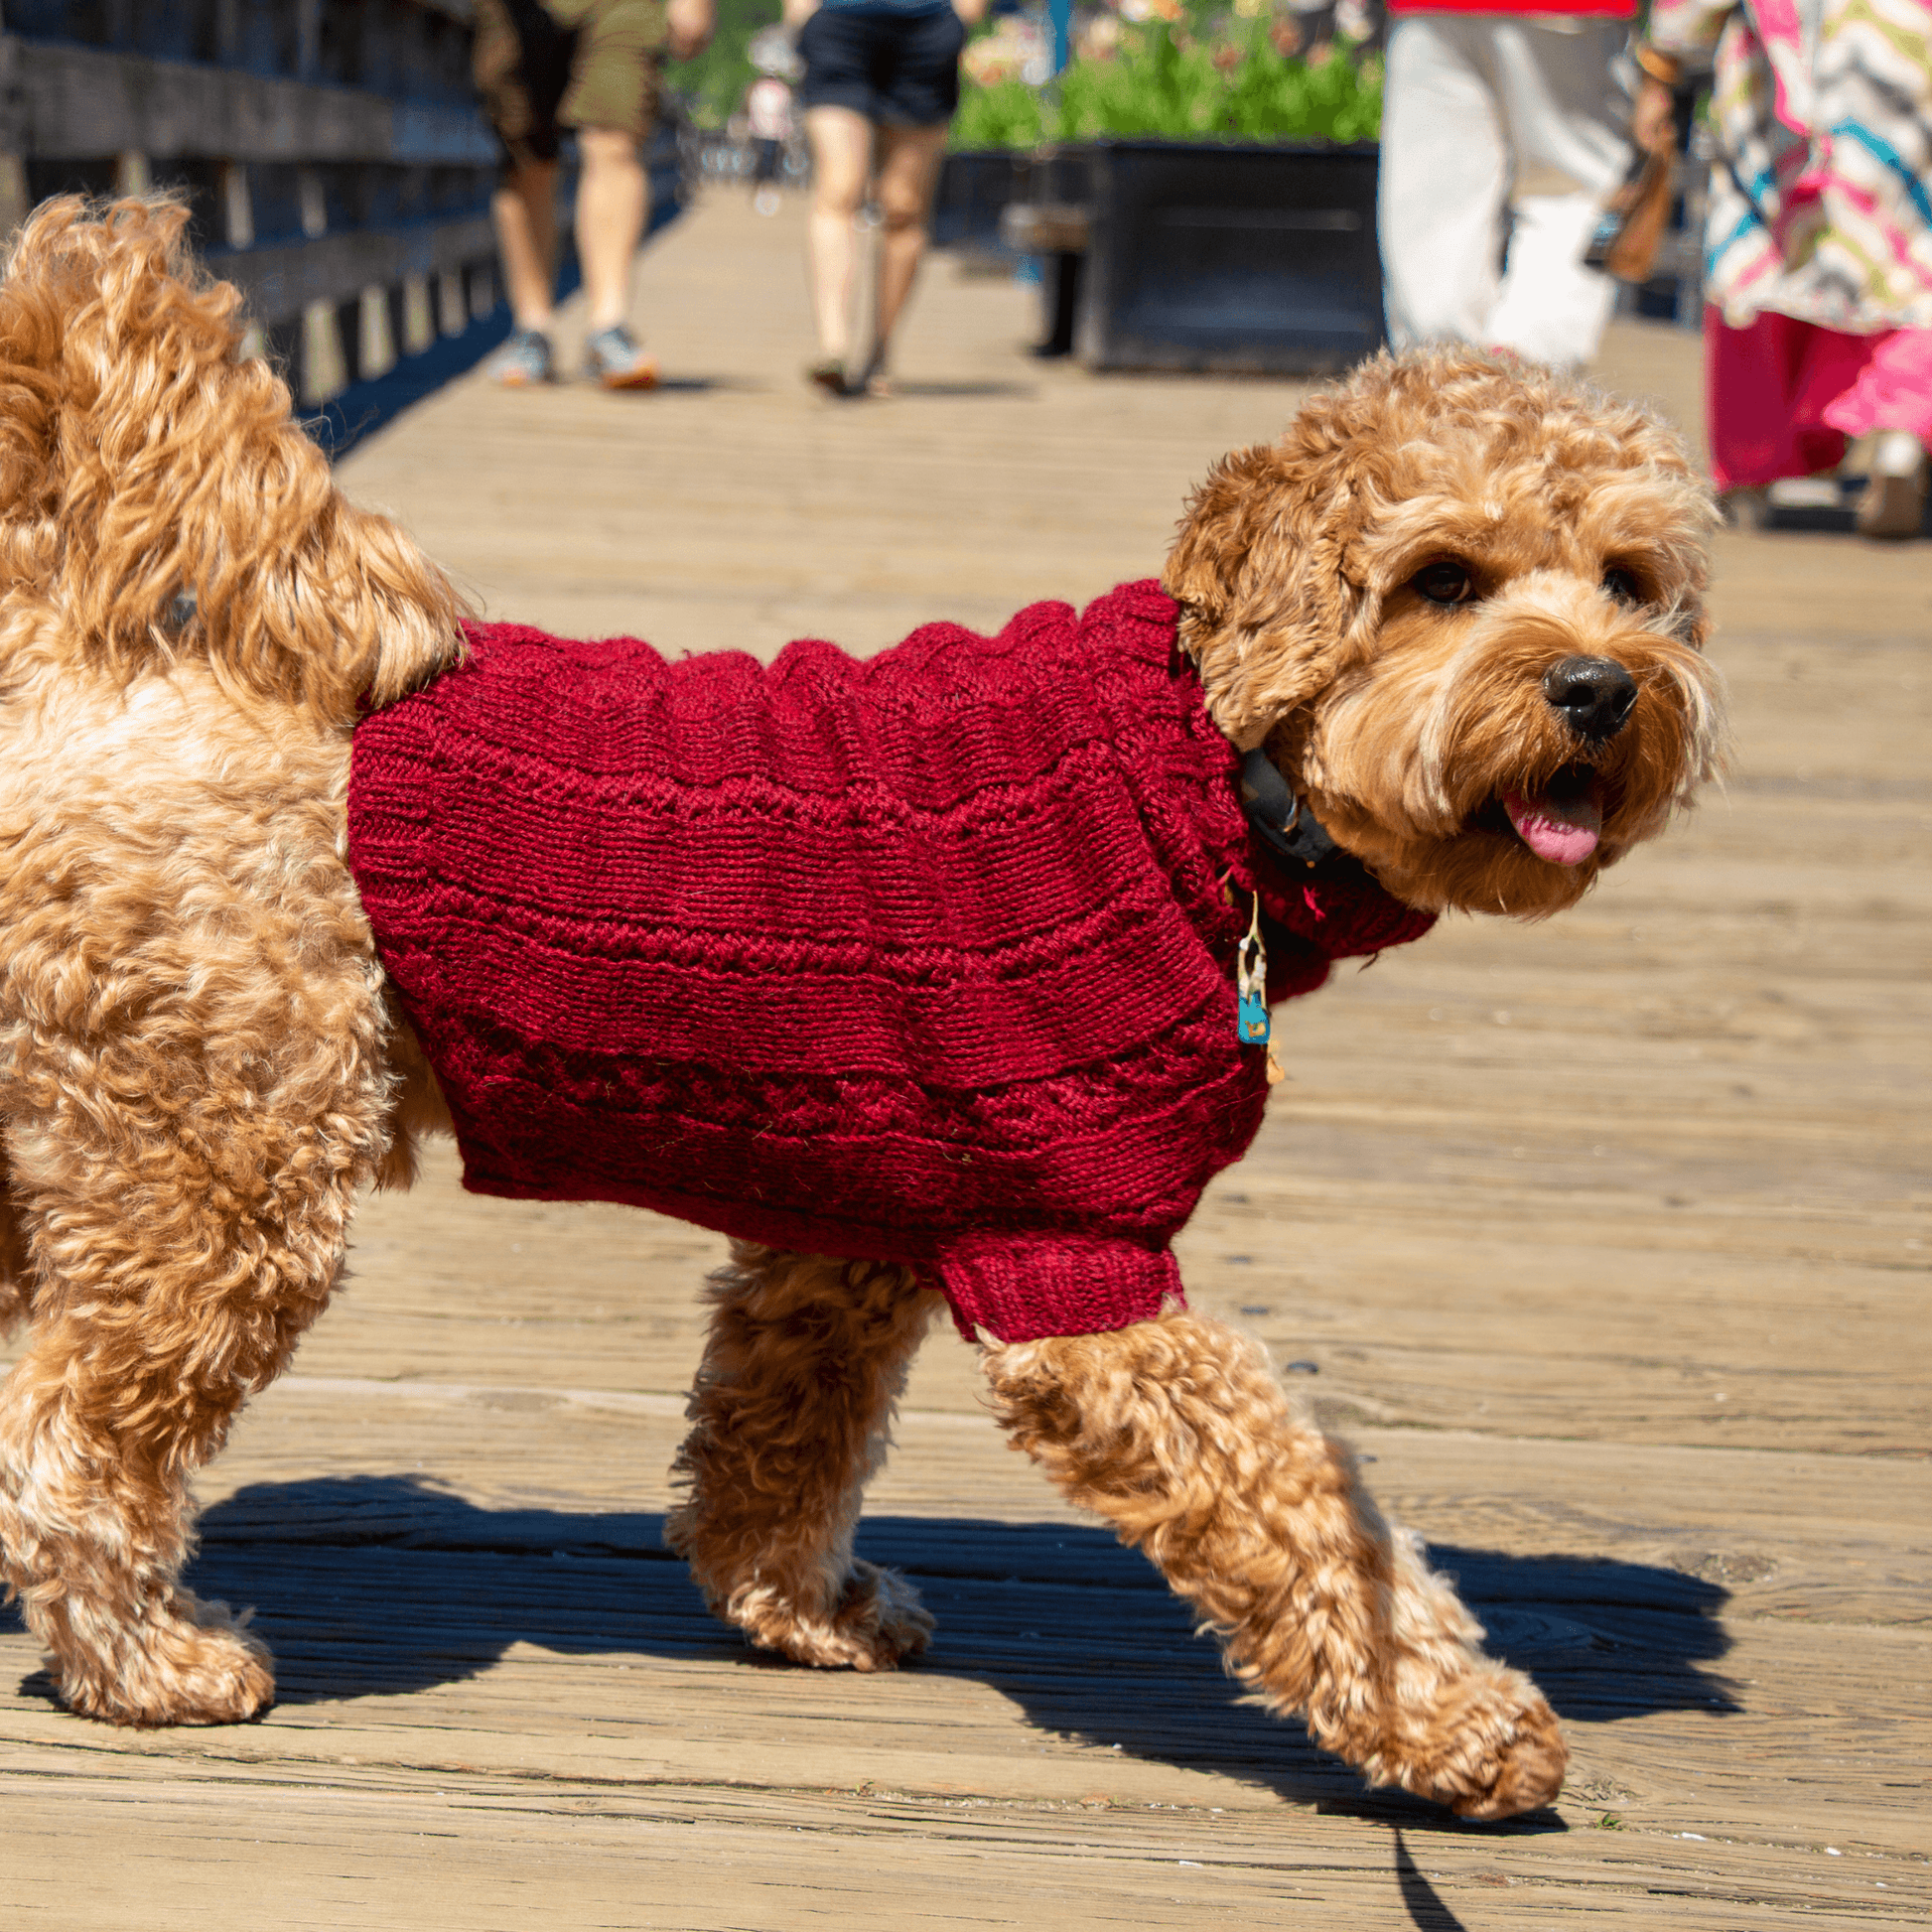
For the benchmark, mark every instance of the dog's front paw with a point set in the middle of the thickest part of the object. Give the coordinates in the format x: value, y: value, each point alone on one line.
x: 1490, y: 1749
x: 877, y: 1622
x: 197, y: 1666
x: 1524, y: 1773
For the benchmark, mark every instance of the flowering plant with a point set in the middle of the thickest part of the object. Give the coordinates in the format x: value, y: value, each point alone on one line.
x: 1015, y: 49
x: 1156, y: 69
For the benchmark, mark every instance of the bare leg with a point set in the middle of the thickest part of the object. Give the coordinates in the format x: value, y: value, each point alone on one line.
x: 525, y: 210
x: 1179, y: 1435
x: 612, y: 200
x: 790, y: 1416
x: 841, y: 145
x: 908, y: 172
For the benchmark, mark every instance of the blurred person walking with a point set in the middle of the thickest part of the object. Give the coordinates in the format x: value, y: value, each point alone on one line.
x: 595, y: 67
x: 767, y: 121
x: 1491, y: 115
x: 1818, y: 324
x: 881, y: 83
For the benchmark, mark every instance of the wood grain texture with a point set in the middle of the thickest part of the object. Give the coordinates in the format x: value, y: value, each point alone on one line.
x: 80, y: 102
x: 280, y: 282
x: 1605, y: 1239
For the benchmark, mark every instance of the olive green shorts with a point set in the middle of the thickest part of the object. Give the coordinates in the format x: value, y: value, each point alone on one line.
x: 542, y: 66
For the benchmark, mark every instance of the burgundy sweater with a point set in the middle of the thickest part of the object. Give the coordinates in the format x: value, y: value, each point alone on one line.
x: 926, y: 957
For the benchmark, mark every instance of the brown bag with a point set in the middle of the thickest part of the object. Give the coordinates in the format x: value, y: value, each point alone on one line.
x: 1634, y: 218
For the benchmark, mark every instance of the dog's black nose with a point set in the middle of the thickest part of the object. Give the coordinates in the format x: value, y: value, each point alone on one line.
x: 1594, y: 694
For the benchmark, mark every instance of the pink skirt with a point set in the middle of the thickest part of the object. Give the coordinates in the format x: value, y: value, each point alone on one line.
x: 1783, y: 397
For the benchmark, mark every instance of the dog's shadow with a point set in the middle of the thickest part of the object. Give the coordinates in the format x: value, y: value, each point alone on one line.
x: 389, y: 1584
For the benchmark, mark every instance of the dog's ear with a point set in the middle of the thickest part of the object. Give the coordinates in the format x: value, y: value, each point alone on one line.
x: 141, y: 457
x: 1259, y: 569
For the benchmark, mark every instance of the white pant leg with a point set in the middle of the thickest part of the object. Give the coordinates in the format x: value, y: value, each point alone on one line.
x: 1553, y: 309
x: 1443, y: 173
x: 1567, y: 113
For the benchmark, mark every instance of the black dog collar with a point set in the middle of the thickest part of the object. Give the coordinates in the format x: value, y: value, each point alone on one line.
x: 1281, y: 821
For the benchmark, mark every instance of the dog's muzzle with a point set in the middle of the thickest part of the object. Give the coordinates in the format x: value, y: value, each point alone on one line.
x: 1592, y: 695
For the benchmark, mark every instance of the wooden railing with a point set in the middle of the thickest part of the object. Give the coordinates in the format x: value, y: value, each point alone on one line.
x: 332, y: 152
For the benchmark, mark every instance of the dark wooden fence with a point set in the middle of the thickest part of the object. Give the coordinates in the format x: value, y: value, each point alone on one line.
x: 332, y: 151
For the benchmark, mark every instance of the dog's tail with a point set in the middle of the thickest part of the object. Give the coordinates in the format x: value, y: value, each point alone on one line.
x: 156, y: 493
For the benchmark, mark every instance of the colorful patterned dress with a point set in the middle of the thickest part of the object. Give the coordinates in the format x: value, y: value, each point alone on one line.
x: 1819, y: 233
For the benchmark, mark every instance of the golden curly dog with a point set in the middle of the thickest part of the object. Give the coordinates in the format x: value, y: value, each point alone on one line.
x: 1458, y: 606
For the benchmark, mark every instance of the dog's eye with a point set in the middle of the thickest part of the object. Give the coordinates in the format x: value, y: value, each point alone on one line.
x: 1623, y: 585
x: 1445, y: 582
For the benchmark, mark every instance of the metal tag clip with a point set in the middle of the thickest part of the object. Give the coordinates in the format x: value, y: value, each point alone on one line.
x: 1251, y: 984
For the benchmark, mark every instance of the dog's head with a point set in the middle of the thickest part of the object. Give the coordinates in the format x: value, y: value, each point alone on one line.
x: 159, y: 501
x: 1460, y: 605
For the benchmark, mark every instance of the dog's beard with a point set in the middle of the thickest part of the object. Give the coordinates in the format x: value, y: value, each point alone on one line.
x: 1444, y: 766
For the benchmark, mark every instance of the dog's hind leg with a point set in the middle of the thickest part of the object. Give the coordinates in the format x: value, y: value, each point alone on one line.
x: 789, y: 1418
x: 1177, y: 1431
x: 180, y: 1262
x: 191, y: 1063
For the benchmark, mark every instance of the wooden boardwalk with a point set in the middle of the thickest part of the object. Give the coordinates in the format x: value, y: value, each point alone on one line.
x: 1606, y: 1239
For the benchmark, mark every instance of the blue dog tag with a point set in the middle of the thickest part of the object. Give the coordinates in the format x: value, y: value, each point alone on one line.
x: 1252, y: 1018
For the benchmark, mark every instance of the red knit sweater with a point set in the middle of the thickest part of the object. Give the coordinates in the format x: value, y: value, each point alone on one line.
x: 926, y: 957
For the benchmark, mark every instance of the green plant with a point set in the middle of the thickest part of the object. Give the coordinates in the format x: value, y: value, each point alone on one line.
x: 1164, y: 80
x: 1157, y: 83
x: 1271, y: 97
x: 1006, y: 114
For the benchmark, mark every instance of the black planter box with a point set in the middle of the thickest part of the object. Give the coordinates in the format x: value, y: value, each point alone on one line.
x: 1234, y: 258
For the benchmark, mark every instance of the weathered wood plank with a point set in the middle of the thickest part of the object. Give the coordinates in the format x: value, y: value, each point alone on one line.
x: 425, y: 1852
x: 280, y: 282
x: 79, y: 102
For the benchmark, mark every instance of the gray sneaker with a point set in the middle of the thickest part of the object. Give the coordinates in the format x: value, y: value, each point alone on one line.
x: 524, y: 361
x: 612, y: 357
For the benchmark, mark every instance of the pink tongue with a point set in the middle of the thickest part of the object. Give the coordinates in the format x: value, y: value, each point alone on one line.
x: 1564, y: 833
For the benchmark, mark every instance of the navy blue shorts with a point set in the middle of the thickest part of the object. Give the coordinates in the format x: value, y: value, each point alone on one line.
x: 898, y: 69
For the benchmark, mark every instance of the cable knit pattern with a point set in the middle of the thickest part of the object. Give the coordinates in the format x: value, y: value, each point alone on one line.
x: 926, y: 957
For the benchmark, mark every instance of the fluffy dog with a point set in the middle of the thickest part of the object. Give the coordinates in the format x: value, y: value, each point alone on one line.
x: 1457, y: 611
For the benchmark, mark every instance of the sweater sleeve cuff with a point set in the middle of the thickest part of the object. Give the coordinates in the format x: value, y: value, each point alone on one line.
x: 1026, y: 1287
